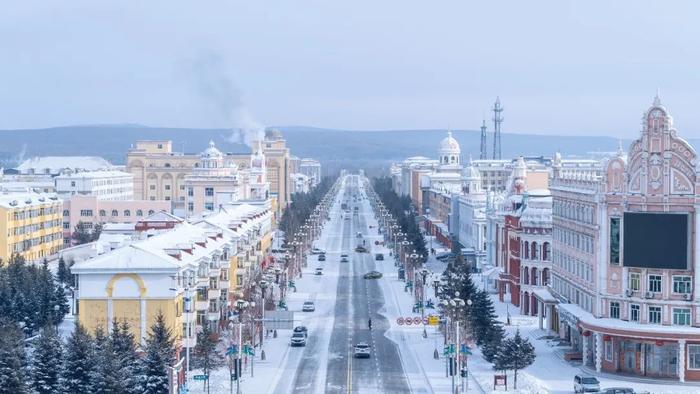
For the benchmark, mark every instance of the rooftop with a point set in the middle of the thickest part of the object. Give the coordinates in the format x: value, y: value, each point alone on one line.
x: 26, y: 200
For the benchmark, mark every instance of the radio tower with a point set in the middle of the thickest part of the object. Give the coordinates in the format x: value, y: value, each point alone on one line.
x: 497, y: 120
x: 482, y: 152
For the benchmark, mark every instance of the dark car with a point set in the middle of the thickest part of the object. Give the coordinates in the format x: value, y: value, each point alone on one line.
x: 344, y: 260
x: 361, y: 249
x: 302, y: 329
x: 373, y: 275
x: 321, y: 257
x: 379, y: 256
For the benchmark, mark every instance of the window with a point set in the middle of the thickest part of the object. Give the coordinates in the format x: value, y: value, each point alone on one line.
x: 615, y: 309
x: 152, y: 187
x: 103, y: 212
x: 182, y: 187
x: 139, y: 212
x: 615, y: 241
x: 681, y: 284
x: 694, y: 356
x: 634, y: 312
x: 190, y: 191
x: 681, y: 316
x: 115, y: 212
x: 654, y: 315
x: 66, y: 225
x: 151, y: 212
x: 72, y: 183
x: 167, y: 187
x: 209, y: 206
x: 86, y: 212
x: 654, y: 283
x: 634, y: 281
x: 167, y: 198
x: 152, y: 198
x: 127, y: 212
x: 167, y: 165
x: 608, y: 350
x: 66, y: 212
x: 190, y: 206
x: 209, y: 191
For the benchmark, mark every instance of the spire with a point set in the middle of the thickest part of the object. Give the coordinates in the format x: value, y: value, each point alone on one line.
x: 482, y: 149
x: 657, y: 98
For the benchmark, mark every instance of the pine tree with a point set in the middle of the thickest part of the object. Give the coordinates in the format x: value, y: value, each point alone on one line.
x: 159, y: 356
x: 96, y: 231
x: 81, y: 234
x: 515, y: 354
x: 124, y: 348
x: 63, y: 274
x: 206, y: 356
x: 482, y: 317
x: 13, y: 360
x: 106, y: 374
x: 47, y: 362
x: 79, y: 362
x: 491, y: 343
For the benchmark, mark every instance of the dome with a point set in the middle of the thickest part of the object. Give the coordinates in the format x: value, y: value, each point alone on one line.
x: 211, y: 151
x: 449, y: 144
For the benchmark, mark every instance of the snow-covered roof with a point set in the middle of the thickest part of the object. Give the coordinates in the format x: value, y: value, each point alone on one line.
x: 95, y: 174
x: 55, y: 164
x: 162, y: 216
x: 26, y: 200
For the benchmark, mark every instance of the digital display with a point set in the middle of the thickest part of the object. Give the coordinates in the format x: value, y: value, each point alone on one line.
x: 655, y: 240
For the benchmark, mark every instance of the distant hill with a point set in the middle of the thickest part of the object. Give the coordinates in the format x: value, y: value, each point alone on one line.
x: 334, y: 148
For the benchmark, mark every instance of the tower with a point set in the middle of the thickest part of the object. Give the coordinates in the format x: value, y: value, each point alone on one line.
x: 497, y: 120
x: 482, y: 149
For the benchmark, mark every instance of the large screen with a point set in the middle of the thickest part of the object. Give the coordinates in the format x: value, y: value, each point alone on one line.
x: 655, y: 240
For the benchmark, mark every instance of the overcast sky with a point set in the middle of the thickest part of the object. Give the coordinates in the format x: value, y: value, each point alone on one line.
x: 559, y: 67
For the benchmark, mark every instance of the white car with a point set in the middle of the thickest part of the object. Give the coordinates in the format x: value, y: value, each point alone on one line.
x: 362, y: 350
x: 308, y: 306
x: 317, y: 251
x: 298, y: 339
x: 586, y: 384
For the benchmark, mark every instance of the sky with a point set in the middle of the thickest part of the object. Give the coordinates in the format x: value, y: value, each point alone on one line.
x: 559, y: 67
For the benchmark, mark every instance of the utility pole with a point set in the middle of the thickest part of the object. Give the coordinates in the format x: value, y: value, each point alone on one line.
x: 497, y: 120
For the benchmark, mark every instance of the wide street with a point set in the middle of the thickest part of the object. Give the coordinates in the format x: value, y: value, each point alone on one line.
x: 344, y: 304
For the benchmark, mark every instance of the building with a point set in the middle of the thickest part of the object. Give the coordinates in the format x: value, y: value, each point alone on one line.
x: 277, y: 165
x: 300, y: 183
x: 468, y: 216
x: 213, y: 182
x: 55, y: 165
x: 92, y: 210
x: 103, y: 184
x: 640, y: 315
x: 32, y: 224
x: 16, y: 183
x: 312, y: 169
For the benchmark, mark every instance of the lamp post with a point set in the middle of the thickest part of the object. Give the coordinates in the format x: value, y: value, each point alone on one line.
x: 452, y: 307
x: 424, y: 274
x: 241, y: 305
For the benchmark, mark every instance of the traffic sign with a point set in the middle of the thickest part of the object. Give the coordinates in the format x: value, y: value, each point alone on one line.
x: 200, y: 377
x: 464, y: 349
x: 408, y: 321
x: 231, y: 350
x: 399, y: 321
x: 417, y: 320
x: 433, y: 320
x: 425, y: 320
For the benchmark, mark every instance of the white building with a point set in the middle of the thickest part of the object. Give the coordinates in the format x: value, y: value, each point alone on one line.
x: 300, y: 183
x: 54, y: 165
x: 109, y: 185
x: 312, y: 169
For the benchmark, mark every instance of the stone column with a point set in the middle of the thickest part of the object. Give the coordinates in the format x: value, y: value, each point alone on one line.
x: 598, y: 351
x: 681, y: 360
x: 539, y: 313
x: 584, y: 350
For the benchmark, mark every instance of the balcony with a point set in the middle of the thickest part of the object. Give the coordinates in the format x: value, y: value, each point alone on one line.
x: 214, y: 272
x: 224, y: 284
x: 201, y: 305
x: 214, y: 293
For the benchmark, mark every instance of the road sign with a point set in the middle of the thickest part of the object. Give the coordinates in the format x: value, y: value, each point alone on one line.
x: 417, y: 320
x: 433, y: 320
x: 279, y: 320
x: 464, y: 349
x: 200, y: 377
x: 425, y: 320
x: 399, y: 321
x: 231, y: 350
x: 408, y: 321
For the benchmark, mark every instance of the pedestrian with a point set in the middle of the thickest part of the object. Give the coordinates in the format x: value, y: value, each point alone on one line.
x: 370, y: 323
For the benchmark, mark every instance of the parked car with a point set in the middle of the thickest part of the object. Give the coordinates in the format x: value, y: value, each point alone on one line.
x: 379, y: 256
x: 298, y: 339
x: 302, y: 329
x: 321, y: 257
x: 618, y: 390
x: 586, y: 384
x: 362, y: 350
x: 444, y: 256
x: 319, y: 271
x: 344, y: 255
x: 308, y: 306
x: 344, y: 260
x: 373, y: 275
x: 361, y: 249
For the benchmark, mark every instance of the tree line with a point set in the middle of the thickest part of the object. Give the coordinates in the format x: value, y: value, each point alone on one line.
x: 401, y: 209
x: 302, y: 206
x: 100, y: 363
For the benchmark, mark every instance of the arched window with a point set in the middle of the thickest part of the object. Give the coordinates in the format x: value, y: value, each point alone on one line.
x: 534, y: 253
x: 527, y: 250
x: 546, y: 251
x: 139, y: 212
x: 127, y: 212
x: 115, y: 213
x: 103, y: 212
x: 533, y: 279
x: 151, y: 212
x: 66, y: 212
x: 526, y: 276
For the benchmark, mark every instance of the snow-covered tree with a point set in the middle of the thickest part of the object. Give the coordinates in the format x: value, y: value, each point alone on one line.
x: 514, y: 354
x: 79, y: 362
x: 13, y: 361
x: 63, y: 274
x: 483, y: 319
x: 105, y: 374
x: 159, y: 356
x: 47, y: 362
x: 205, y: 355
x: 124, y: 347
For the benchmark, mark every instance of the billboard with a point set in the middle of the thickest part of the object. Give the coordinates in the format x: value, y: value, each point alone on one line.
x: 656, y: 240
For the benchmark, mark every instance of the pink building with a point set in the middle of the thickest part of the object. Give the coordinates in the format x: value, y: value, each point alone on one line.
x: 91, y: 210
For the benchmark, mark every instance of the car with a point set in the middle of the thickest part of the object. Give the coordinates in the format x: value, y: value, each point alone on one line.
x: 361, y: 249
x: 618, y: 390
x: 298, y: 339
x: 347, y: 218
x: 321, y: 257
x: 344, y: 255
x: 586, y: 384
x: 359, y: 234
x: 317, y: 251
x: 319, y: 271
x: 362, y: 350
x: 302, y: 329
x: 344, y: 260
x: 308, y: 306
x: 379, y: 256
x: 373, y: 275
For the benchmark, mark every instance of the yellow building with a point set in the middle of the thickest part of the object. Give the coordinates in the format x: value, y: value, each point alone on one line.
x: 31, y: 225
